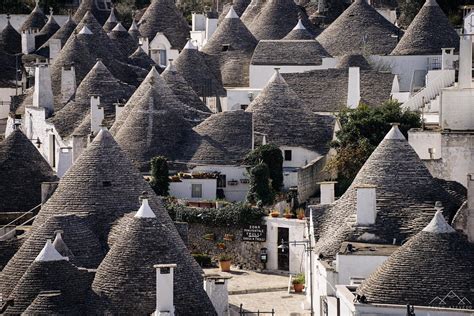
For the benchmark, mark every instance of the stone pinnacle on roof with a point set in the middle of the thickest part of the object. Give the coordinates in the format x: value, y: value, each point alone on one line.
x: 428, y: 33
x: 61, y: 246
x: 189, y: 45
x: 438, y: 225
x: 111, y: 21
x: 49, y: 253
x: 299, y: 32
x: 231, y: 14
x: 395, y: 133
x: 119, y: 28
x: 134, y: 26
x: 36, y: 20
x: 145, y: 210
x: 360, y: 29
x: 85, y: 30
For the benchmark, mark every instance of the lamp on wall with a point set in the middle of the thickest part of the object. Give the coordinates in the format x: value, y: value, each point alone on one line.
x: 38, y: 142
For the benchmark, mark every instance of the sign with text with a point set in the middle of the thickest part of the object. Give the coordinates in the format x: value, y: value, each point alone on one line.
x: 254, y: 233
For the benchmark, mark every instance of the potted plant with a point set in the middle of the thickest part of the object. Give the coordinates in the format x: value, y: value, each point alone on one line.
x: 221, y: 245
x: 274, y: 213
x: 298, y: 283
x: 300, y: 213
x: 224, y: 262
x: 229, y: 237
x: 288, y: 213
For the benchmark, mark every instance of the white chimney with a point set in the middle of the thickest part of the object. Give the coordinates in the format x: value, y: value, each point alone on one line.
x: 447, y: 58
x: 54, y: 48
x: 118, y: 110
x: 145, y: 44
x: 64, y: 160
x: 353, y: 90
x: 198, y: 22
x: 97, y: 114
x: 327, y: 192
x: 216, y: 288
x: 211, y: 26
x: 28, y: 41
x: 43, y: 92
x: 164, y: 289
x: 465, y: 62
x: 366, y: 205
x: 68, y: 83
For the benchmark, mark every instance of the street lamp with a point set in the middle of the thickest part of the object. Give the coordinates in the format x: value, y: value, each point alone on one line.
x: 308, y: 248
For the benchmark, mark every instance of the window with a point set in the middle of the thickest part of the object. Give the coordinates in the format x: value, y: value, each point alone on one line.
x: 52, y: 150
x: 221, y: 181
x: 162, y: 54
x: 287, y: 155
x: 196, y: 190
x: 225, y: 47
x: 244, y: 106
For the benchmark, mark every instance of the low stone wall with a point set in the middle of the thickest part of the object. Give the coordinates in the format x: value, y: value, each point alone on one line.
x: 308, y: 178
x: 244, y: 254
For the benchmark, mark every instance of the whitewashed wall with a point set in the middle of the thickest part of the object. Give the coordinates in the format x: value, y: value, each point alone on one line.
x: 296, y: 231
x: 160, y: 41
x: 182, y: 190
x: 356, y: 266
x: 238, y: 96
x: 5, y: 94
x: 233, y: 193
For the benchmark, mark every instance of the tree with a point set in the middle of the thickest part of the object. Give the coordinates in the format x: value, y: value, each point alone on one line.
x: 160, y: 176
x: 260, y: 189
x: 409, y: 9
x: 272, y: 156
x: 362, y: 129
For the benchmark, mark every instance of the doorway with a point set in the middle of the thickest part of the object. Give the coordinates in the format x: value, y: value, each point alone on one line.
x: 284, y: 251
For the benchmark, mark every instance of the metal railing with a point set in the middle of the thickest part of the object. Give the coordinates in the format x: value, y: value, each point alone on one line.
x: 243, y: 312
x: 19, y: 217
x: 431, y: 91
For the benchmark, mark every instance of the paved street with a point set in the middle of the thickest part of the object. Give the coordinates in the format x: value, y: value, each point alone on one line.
x: 261, y: 292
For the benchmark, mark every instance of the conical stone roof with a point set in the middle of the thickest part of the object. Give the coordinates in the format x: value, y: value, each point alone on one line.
x: 283, y: 117
x: 223, y: 139
x: 81, y: 241
x: 48, y: 30
x: 191, y: 64
x: 436, y: 262
x: 111, y: 21
x: 122, y: 39
x: 405, y: 191
x: 102, y: 185
x: 353, y: 60
x: 10, y: 40
x: 53, y: 303
x: 428, y: 33
x: 360, y: 29
x: 163, y: 16
x: 252, y: 10
x: 155, y: 126
x: 35, y: 20
x: 46, y: 273
x: 23, y: 169
x: 181, y: 89
x: 62, y: 34
x: 239, y: 45
x: 97, y: 8
x: 277, y: 18
x: 141, y: 59
x: 126, y: 280
x: 299, y: 32
x: 239, y: 7
x: 98, y: 82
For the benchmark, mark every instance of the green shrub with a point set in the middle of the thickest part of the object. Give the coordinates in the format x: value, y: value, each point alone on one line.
x: 272, y: 156
x: 203, y: 260
x: 160, y: 182
x: 260, y: 189
x: 235, y: 215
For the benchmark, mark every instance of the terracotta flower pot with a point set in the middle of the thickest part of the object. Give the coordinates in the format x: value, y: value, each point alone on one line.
x: 298, y: 288
x: 225, y: 265
x: 275, y: 214
x: 288, y: 216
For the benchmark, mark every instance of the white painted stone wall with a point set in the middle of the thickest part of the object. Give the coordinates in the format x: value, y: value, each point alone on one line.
x: 161, y: 42
x: 259, y: 75
x: 457, y: 109
x: 236, y: 97
x: 218, y: 293
x: 469, y: 23
x: 423, y: 141
x: 356, y: 266
x: 183, y: 190
x: 300, y: 157
x: 296, y: 233
x: 5, y: 99
x: 405, y: 66
x: 233, y: 193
